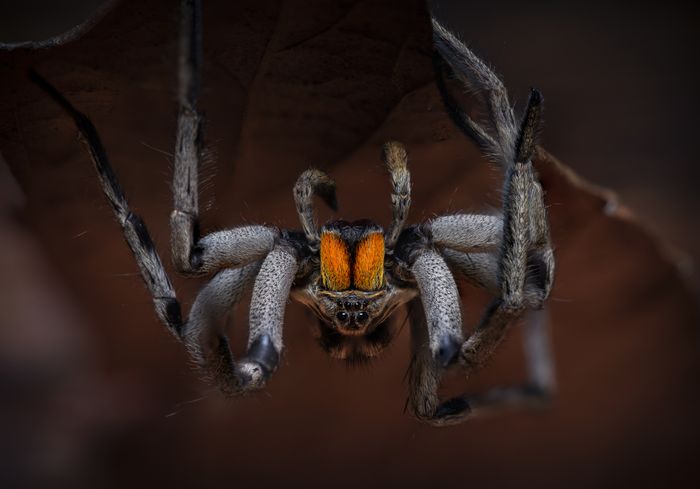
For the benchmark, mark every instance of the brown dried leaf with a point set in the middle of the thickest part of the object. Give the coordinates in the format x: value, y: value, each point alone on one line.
x: 324, y: 83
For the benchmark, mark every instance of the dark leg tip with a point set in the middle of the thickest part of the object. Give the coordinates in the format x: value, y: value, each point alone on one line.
x: 264, y: 353
x: 448, y: 350
x: 453, y: 407
x: 535, y: 96
x: 196, y: 258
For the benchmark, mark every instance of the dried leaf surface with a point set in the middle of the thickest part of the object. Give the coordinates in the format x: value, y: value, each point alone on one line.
x: 288, y: 85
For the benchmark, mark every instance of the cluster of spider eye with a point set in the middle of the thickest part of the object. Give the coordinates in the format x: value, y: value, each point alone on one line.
x: 359, y: 317
x: 355, y: 275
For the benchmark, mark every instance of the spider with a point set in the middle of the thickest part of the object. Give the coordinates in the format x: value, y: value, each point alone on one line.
x: 354, y: 275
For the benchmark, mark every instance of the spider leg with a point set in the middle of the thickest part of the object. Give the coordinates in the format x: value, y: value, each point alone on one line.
x: 541, y: 262
x: 467, y: 243
x: 474, y: 74
x: 232, y: 248
x: 440, y: 298
x: 240, y: 247
x: 521, y: 273
x: 507, y: 144
x: 247, y: 249
x: 510, y: 267
x: 203, y: 335
x: 460, y: 118
x: 313, y: 182
x: 425, y: 373
x: 480, y: 269
x: 513, y: 269
x: 396, y: 161
x: 135, y: 232
x: 270, y: 294
x: 229, y: 248
x: 184, y: 219
x: 465, y: 232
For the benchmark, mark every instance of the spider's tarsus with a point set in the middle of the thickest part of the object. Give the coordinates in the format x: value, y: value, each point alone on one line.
x: 327, y: 194
x: 530, y: 126
x: 395, y: 159
x: 452, y: 407
x: 313, y: 182
x: 197, y: 257
x: 394, y: 156
x: 448, y: 350
x: 263, y: 352
x: 536, y: 96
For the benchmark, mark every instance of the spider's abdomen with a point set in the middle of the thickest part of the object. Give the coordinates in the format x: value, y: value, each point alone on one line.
x: 352, y: 256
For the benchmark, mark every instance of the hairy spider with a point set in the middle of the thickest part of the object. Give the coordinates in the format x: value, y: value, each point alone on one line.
x: 354, y: 275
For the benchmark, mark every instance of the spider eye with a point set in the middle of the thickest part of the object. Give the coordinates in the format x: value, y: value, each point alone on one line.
x: 342, y: 316
x: 362, y: 316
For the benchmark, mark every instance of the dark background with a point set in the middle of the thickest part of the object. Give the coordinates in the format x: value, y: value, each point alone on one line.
x: 621, y: 106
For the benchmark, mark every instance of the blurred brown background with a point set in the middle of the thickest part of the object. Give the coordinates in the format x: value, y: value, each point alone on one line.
x: 95, y: 393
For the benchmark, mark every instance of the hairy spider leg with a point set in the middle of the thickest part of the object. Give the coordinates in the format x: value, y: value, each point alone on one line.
x: 250, y: 247
x: 526, y: 248
x: 313, y: 182
x: 396, y: 161
x: 135, y: 232
x: 480, y: 80
x: 184, y: 219
x: 523, y: 267
x: 441, y: 304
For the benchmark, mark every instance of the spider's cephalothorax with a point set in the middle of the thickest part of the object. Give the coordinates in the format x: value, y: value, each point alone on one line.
x: 353, y: 275
x: 348, y: 281
x: 351, y: 293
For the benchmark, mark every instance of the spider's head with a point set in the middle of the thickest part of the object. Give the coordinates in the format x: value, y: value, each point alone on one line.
x: 353, y: 296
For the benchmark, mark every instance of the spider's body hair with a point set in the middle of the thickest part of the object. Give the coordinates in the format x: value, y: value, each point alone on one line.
x: 352, y: 254
x: 355, y: 275
x: 351, y: 287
